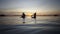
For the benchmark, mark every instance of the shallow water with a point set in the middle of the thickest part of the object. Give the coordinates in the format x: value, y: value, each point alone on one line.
x: 42, y: 25
x: 29, y: 20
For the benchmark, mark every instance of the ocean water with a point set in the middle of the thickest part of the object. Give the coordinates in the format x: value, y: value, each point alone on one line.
x: 40, y: 25
x: 29, y: 20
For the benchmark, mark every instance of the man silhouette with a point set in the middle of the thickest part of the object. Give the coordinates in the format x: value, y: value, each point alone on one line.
x: 23, y: 16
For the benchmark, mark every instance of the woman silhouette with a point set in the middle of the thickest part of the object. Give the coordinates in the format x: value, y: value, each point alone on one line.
x: 34, y: 16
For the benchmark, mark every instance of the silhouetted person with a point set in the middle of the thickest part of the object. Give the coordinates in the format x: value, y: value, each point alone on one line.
x: 23, y: 16
x: 34, y: 16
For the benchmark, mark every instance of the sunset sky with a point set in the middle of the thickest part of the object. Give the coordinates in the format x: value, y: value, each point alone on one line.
x: 30, y: 6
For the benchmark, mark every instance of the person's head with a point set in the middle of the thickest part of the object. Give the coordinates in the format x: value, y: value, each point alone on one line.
x: 35, y: 13
x: 23, y: 13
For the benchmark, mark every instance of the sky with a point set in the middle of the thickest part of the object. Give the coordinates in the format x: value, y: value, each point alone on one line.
x: 30, y: 5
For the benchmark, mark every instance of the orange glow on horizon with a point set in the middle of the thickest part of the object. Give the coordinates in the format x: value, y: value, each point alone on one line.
x: 29, y: 13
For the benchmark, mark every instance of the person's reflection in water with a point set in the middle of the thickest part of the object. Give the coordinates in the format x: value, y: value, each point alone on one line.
x: 23, y: 16
x: 34, y: 16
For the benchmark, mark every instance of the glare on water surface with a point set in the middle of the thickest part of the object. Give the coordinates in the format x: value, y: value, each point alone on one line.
x: 30, y: 20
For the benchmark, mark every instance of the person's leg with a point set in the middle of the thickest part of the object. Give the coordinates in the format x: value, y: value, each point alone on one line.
x: 35, y: 20
x: 23, y: 20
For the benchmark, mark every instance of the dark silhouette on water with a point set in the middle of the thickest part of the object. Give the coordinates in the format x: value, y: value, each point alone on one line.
x: 34, y: 16
x: 55, y: 15
x: 23, y: 16
x: 2, y: 15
